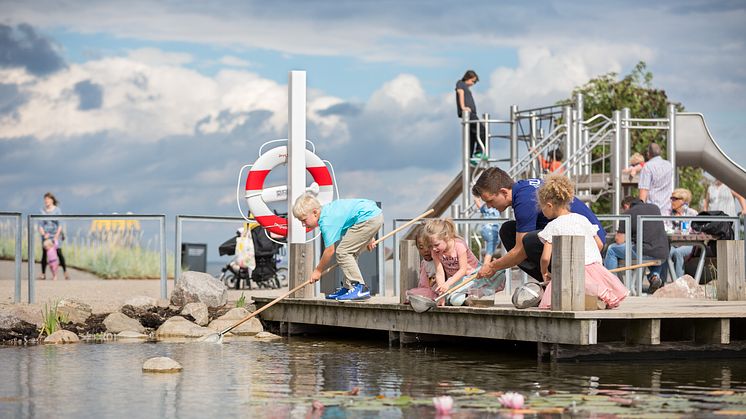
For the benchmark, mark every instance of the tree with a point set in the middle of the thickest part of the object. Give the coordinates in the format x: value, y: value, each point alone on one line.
x: 605, y: 94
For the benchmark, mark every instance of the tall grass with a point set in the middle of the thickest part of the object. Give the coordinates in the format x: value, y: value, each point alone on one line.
x: 107, y: 256
x: 52, y: 319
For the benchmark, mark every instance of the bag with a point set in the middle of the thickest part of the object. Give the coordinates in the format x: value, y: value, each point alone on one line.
x: 720, y: 230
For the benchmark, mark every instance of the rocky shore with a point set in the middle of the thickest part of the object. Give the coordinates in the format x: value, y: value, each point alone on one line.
x: 197, y: 306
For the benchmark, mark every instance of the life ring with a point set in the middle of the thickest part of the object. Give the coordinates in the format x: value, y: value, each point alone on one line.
x: 255, y: 185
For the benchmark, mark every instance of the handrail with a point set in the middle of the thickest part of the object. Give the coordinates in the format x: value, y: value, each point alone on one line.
x: 553, y: 137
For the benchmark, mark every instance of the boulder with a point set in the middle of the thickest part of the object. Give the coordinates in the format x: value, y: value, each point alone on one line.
x: 129, y: 334
x: 142, y: 302
x: 162, y: 303
x: 179, y: 327
x: 27, y: 313
x: 249, y: 328
x: 74, y: 311
x: 195, y: 287
x: 198, y: 311
x: 161, y: 364
x: 684, y: 287
x: 62, y: 336
x: 118, y: 322
x: 12, y: 327
x: 266, y: 336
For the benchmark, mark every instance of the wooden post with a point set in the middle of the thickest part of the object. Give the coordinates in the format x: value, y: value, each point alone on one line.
x: 568, y: 273
x: 731, y: 279
x: 643, y: 332
x: 302, y: 262
x: 409, y: 267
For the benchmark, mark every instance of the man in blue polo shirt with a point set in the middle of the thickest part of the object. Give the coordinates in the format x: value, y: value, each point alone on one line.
x: 520, y: 237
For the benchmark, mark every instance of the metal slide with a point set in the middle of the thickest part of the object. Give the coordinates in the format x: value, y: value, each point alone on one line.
x: 695, y: 147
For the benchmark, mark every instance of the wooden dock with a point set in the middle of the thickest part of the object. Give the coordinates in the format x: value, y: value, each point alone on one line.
x: 663, y: 326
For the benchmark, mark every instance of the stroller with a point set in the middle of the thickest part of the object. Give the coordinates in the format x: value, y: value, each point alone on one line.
x: 265, y: 274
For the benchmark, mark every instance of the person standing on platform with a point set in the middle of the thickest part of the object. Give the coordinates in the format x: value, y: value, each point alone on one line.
x: 656, y: 180
x: 465, y: 103
x: 721, y: 198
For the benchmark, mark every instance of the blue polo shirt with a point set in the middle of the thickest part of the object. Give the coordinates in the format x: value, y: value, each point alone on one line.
x: 338, y: 216
x: 528, y: 216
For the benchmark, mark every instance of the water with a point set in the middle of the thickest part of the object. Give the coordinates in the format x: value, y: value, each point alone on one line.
x: 281, y: 378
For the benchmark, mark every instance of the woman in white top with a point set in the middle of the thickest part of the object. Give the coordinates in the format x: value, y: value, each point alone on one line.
x: 721, y: 198
x: 554, y: 198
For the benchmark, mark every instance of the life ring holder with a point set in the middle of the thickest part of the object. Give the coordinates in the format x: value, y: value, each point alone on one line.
x: 258, y: 173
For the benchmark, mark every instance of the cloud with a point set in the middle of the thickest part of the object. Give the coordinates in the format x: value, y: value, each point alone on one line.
x: 90, y: 95
x: 341, y: 109
x: 157, y: 57
x: 232, y: 61
x: 23, y: 47
x: 11, y: 99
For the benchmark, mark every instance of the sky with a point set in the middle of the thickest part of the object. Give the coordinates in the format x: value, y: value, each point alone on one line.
x: 154, y: 107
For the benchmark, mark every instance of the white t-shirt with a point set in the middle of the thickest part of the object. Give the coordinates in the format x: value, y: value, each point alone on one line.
x: 574, y: 225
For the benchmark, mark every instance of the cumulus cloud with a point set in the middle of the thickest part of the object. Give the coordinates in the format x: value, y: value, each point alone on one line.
x: 90, y: 95
x: 233, y: 61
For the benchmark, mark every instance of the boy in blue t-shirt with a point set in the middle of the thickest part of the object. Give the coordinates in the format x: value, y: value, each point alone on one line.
x: 520, y: 237
x: 355, y: 222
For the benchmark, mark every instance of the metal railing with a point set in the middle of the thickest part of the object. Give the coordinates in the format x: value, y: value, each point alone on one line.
x: 640, y: 234
x: 18, y: 258
x: 627, y: 219
x: 30, y: 231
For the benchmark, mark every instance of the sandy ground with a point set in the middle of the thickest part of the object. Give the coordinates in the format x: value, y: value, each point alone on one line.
x: 104, y: 295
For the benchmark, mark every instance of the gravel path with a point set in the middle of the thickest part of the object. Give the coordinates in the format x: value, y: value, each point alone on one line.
x: 103, y: 295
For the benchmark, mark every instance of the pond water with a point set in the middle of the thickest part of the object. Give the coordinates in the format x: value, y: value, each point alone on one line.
x: 282, y: 378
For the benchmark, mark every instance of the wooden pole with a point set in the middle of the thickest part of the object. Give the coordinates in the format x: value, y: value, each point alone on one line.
x: 731, y: 279
x: 568, y: 273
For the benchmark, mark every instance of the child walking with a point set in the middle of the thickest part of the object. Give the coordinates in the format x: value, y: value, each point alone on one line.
x: 426, y: 285
x: 50, y: 248
x: 351, y: 222
x: 554, y: 198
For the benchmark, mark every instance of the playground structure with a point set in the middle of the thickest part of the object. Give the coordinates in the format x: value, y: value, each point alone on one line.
x: 689, y: 143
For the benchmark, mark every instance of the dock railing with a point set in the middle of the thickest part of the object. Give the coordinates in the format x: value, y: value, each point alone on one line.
x: 627, y: 220
x: 18, y: 256
x: 31, y: 231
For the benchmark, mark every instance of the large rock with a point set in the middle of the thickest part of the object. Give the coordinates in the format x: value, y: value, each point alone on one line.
x: 74, y: 311
x: 195, y: 287
x: 684, y: 287
x: 266, y: 336
x: 249, y: 328
x: 118, y: 322
x: 13, y: 327
x: 179, y: 327
x: 198, y: 311
x: 161, y: 364
x: 62, y: 336
x: 27, y: 313
x: 142, y: 302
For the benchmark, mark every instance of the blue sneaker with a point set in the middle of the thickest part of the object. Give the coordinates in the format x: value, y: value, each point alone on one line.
x: 338, y: 293
x: 357, y: 293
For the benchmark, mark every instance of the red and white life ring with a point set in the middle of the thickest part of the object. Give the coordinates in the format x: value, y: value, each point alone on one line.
x: 255, y: 185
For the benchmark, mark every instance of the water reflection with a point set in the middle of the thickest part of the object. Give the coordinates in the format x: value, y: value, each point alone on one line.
x: 246, y: 378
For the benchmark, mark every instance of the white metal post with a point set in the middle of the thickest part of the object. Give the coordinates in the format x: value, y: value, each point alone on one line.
x: 296, y: 150
x: 671, y: 146
x: 626, y: 146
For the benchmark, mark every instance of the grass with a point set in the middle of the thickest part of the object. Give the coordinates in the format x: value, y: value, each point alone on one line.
x: 105, y: 256
x: 51, y: 319
x: 241, y: 301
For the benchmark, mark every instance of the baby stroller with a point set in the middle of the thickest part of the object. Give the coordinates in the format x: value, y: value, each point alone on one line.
x: 266, y: 254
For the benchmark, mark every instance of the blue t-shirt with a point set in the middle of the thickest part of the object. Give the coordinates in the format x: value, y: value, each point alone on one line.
x: 528, y: 216
x: 338, y: 216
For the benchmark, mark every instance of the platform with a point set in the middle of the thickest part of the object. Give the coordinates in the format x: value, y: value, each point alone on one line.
x: 638, y: 325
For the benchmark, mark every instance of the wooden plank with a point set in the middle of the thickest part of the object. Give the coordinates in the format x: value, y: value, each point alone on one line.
x: 643, y: 332
x: 409, y: 266
x: 731, y: 280
x: 301, y: 268
x: 437, y: 322
x: 712, y: 331
x: 568, y: 273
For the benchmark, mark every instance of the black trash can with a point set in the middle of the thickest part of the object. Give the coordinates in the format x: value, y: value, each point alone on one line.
x: 194, y: 257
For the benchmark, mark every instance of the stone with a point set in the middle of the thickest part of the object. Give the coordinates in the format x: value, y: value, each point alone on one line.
x: 684, y: 287
x: 161, y: 364
x: 198, y: 311
x: 129, y: 334
x: 23, y: 312
x: 74, y: 311
x: 194, y: 287
x: 179, y: 327
x: 249, y: 328
x: 13, y: 327
x: 266, y: 336
x: 118, y: 322
x: 162, y: 303
x: 142, y: 302
x: 62, y: 336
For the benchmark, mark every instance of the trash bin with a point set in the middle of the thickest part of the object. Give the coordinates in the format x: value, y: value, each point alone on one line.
x: 194, y: 257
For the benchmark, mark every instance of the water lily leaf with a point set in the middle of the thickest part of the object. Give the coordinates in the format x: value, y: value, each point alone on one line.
x: 399, y: 401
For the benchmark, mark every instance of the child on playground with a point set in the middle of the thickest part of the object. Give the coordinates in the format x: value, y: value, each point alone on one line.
x: 490, y: 232
x: 553, y: 162
x: 636, y: 162
x: 50, y: 247
x: 426, y: 284
x: 351, y: 222
x: 554, y: 198
x: 455, y: 263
